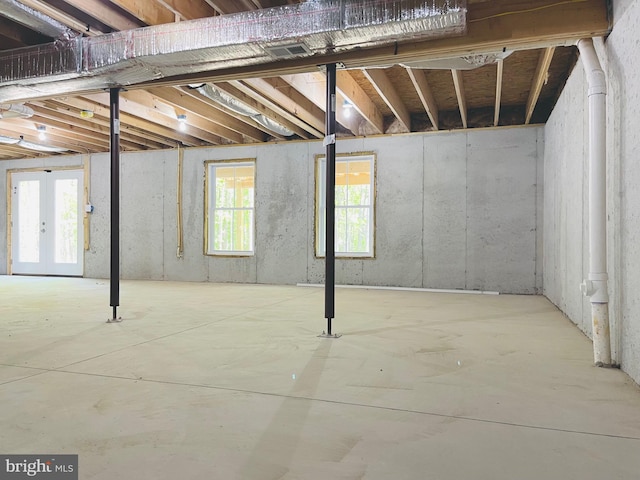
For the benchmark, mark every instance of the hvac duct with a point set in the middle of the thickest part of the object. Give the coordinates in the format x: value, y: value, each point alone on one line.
x: 33, y: 19
x: 21, y: 142
x: 248, y: 38
x: 226, y: 100
x: 15, y: 110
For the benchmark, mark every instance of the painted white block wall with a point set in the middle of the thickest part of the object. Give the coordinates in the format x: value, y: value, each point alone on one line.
x: 453, y: 210
x: 565, y: 195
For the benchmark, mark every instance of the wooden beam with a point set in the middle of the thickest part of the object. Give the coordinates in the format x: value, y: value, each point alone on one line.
x: 289, y: 98
x: 188, y: 10
x: 277, y: 108
x: 127, y: 132
x: 50, y: 110
x: 492, y: 26
x: 229, y: 6
x: 130, y: 116
x: 220, y: 123
x: 21, y: 34
x: 20, y: 128
x: 420, y: 83
x: 496, y: 115
x: 462, y: 101
x: 150, y: 13
x: 313, y: 86
x: 389, y: 95
x: 349, y: 88
x: 259, y: 107
x: 112, y: 17
x: 539, y: 79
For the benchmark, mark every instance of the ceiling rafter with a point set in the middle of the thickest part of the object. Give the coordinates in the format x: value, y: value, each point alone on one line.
x: 389, y: 95
x: 100, y: 118
x: 188, y: 10
x: 60, y: 16
x: 313, y: 86
x: 289, y: 98
x: 108, y: 14
x: 420, y: 83
x: 151, y: 13
x: 277, y: 108
x: 261, y: 108
x: 352, y: 91
x: 539, y: 79
x: 460, y: 95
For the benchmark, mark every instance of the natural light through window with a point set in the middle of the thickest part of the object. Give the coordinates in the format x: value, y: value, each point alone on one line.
x: 354, y: 202
x: 230, y: 209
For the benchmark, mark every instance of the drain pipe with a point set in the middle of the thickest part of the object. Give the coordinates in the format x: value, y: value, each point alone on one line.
x: 596, y: 285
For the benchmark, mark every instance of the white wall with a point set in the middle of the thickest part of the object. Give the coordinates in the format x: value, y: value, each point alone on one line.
x: 566, y: 189
x: 453, y: 210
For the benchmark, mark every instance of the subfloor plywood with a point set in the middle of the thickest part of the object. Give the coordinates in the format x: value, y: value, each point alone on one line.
x: 231, y: 381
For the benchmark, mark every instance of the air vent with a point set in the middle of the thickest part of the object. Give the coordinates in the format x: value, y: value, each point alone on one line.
x: 288, y: 51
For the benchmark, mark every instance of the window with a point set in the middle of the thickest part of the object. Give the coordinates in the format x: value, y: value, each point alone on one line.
x: 355, y: 197
x: 229, y: 223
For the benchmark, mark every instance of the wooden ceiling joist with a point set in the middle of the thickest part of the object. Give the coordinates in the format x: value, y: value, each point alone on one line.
x: 539, y: 79
x: 188, y: 10
x: 389, y: 95
x: 151, y: 13
x: 289, y: 98
x: 60, y: 16
x: 462, y: 100
x: 261, y: 108
x: 352, y: 91
x: 277, y: 108
x: 112, y: 17
x: 420, y: 83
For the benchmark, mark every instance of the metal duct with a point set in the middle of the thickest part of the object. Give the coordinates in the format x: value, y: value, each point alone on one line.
x: 256, y: 37
x: 21, y: 142
x: 14, y: 110
x: 33, y: 19
x: 240, y: 108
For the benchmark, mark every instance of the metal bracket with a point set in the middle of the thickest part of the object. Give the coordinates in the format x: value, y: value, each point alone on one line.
x: 329, y: 140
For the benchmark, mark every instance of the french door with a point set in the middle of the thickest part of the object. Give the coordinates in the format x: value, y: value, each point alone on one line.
x: 47, y: 234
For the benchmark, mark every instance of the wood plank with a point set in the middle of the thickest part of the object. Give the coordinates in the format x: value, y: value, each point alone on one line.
x: 110, y: 16
x: 462, y: 101
x: 277, y: 108
x: 314, y: 86
x: 289, y: 98
x: 264, y: 110
x: 539, y: 79
x: 221, y: 123
x: 389, y: 95
x: 420, y: 83
x: 496, y: 115
x: 188, y: 10
x: 150, y: 13
x: 349, y: 88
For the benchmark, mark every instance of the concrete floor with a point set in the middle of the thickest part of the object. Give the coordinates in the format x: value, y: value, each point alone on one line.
x: 230, y: 382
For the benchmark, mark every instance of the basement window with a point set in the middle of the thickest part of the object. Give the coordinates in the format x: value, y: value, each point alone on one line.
x: 230, y: 199
x: 354, y: 200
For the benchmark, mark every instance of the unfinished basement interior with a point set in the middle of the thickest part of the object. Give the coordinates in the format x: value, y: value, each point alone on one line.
x: 323, y: 239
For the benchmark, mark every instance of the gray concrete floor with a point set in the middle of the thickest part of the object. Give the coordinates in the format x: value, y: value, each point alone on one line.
x: 230, y: 382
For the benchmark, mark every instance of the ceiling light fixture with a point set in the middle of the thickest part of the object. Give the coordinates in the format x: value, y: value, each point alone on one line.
x: 42, y: 132
x: 347, y: 106
x: 182, y: 122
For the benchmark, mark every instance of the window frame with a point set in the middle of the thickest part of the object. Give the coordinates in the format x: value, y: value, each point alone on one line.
x: 209, y: 197
x: 319, y: 205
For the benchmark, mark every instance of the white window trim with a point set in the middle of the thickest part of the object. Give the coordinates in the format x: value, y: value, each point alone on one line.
x: 210, y: 166
x: 320, y: 205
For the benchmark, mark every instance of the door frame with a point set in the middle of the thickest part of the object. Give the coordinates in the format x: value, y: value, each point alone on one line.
x: 84, y: 166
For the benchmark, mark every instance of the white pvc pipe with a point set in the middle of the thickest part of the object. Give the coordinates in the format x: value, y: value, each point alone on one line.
x: 596, y: 286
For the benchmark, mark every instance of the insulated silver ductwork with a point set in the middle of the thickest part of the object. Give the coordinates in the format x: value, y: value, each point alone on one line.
x: 21, y: 142
x: 257, y: 37
x: 33, y: 19
x: 15, y: 110
x: 226, y: 100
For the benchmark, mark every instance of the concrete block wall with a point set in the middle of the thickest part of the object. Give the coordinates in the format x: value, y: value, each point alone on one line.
x: 453, y: 210
x: 566, y: 191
